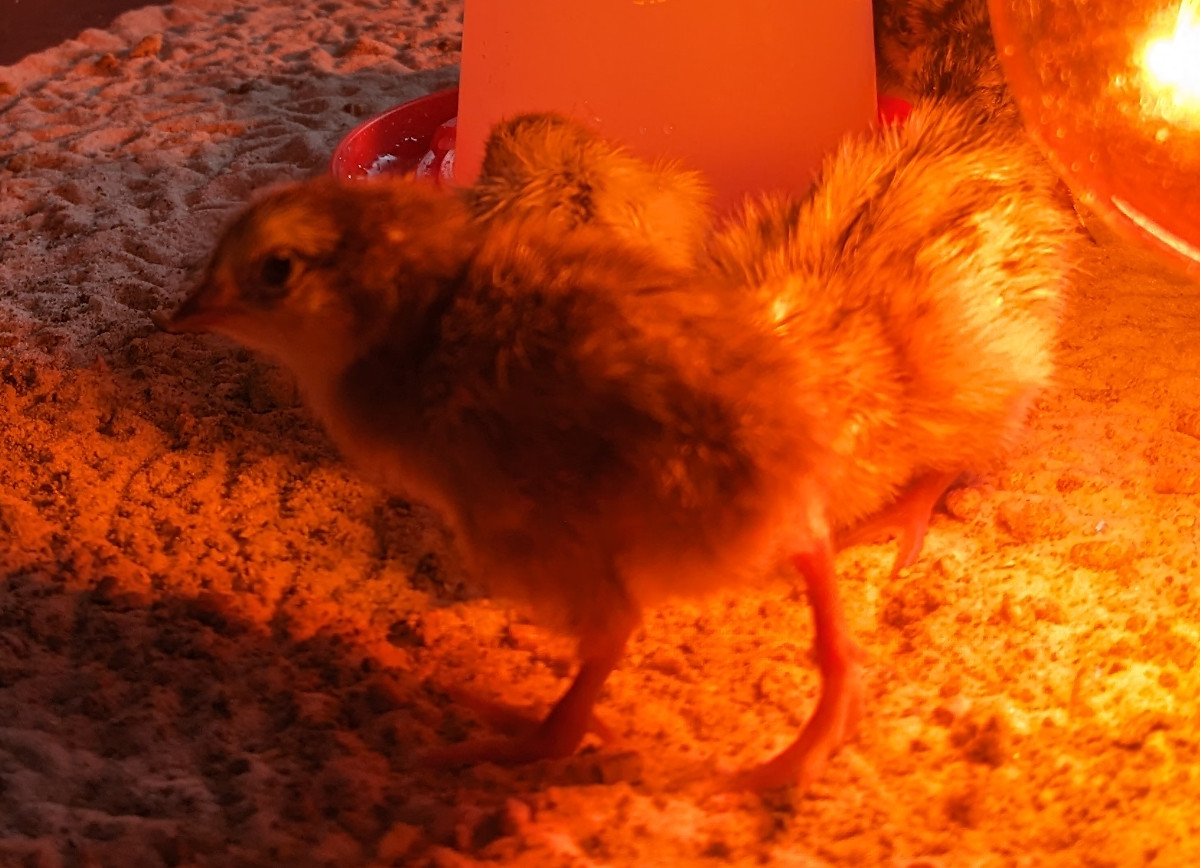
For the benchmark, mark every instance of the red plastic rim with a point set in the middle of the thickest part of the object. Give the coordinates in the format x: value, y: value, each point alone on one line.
x: 418, y: 137
x: 398, y: 140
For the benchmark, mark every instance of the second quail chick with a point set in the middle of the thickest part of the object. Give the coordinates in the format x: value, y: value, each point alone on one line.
x: 925, y: 276
x: 927, y: 269
x: 553, y: 165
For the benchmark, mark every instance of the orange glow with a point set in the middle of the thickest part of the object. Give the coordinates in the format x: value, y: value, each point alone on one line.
x: 1173, y: 66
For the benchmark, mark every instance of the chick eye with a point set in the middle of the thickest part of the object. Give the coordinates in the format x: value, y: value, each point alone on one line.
x: 275, y: 271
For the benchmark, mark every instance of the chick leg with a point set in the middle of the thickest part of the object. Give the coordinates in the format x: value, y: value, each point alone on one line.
x: 908, y: 517
x: 561, y: 731
x: 840, y: 704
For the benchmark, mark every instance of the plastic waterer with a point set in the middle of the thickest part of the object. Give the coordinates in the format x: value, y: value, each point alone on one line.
x: 751, y: 93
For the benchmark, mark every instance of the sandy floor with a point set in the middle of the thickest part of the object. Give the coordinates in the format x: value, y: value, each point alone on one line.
x: 217, y: 648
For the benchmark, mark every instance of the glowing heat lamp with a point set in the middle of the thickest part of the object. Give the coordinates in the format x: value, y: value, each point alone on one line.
x: 1173, y: 66
x: 751, y: 93
x: 1111, y: 90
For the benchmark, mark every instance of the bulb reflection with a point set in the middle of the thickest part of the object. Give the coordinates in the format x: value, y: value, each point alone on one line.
x: 1172, y: 66
x: 1111, y: 90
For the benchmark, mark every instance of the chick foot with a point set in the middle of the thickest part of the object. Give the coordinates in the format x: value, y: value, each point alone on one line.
x: 557, y: 735
x: 840, y: 706
x: 907, y: 517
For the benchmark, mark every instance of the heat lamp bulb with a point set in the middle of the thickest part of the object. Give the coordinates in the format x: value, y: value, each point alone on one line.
x: 1111, y: 91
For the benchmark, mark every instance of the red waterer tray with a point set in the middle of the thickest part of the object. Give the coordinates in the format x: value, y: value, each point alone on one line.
x: 418, y: 136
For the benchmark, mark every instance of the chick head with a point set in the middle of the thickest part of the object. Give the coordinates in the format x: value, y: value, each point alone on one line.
x: 313, y: 272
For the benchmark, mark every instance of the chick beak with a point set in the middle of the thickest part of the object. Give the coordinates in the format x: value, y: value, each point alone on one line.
x: 201, y: 311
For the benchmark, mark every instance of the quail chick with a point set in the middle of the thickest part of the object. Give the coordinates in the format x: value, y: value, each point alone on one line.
x: 603, y: 431
x: 926, y: 271
x: 924, y: 277
x: 546, y: 163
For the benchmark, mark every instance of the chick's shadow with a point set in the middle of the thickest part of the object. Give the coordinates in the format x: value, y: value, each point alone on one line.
x: 312, y: 735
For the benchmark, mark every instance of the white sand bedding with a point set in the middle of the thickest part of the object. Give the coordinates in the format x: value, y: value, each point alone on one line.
x: 217, y: 648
